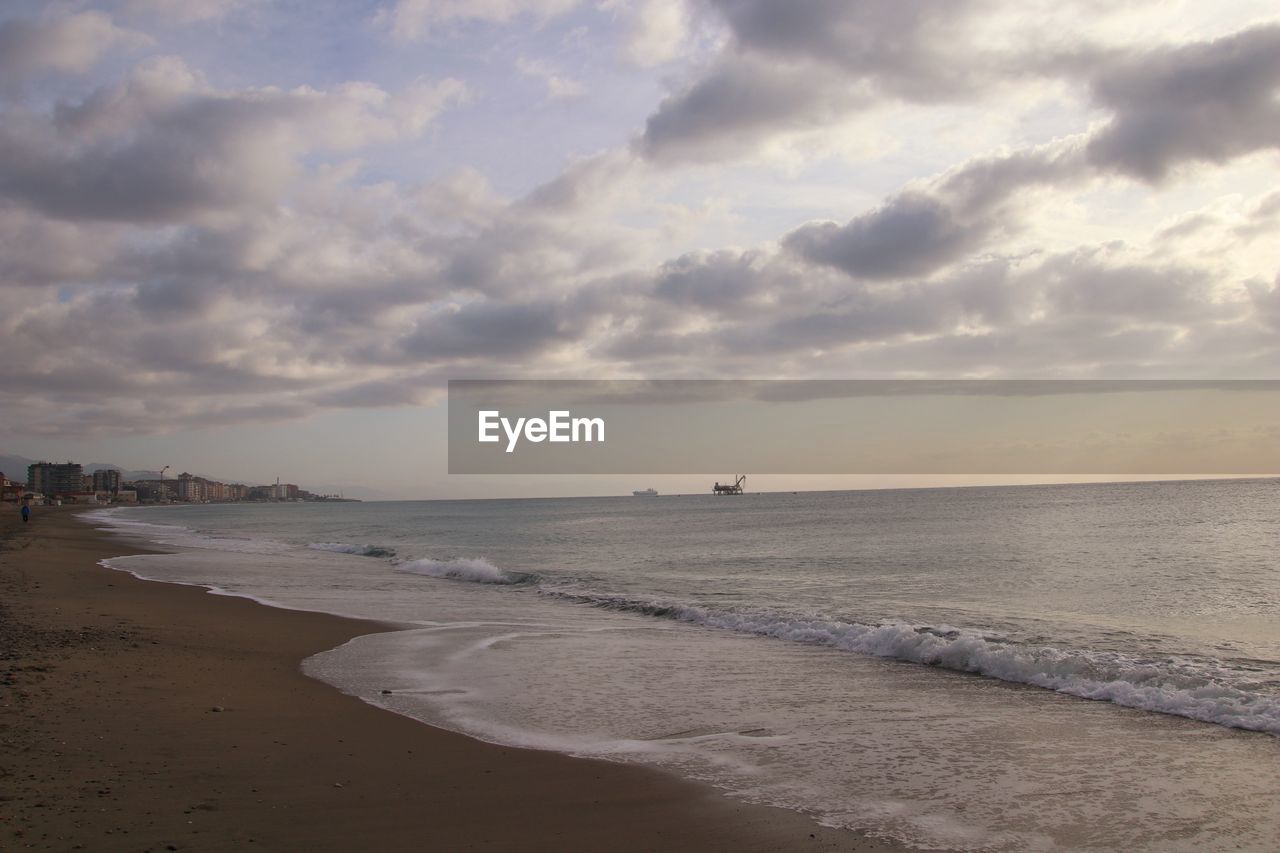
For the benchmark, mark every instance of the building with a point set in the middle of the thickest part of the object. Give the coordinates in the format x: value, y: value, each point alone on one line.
x: 106, y: 480
x: 189, y: 488
x: 9, y: 490
x: 54, y: 480
x: 152, y: 491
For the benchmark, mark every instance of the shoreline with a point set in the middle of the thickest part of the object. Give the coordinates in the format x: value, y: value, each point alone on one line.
x: 141, y: 715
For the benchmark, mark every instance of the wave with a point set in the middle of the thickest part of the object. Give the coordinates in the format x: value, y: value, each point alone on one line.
x: 475, y: 570
x: 358, y: 550
x: 1196, y: 689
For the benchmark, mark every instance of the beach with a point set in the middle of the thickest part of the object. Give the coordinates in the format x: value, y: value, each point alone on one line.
x: 137, y: 715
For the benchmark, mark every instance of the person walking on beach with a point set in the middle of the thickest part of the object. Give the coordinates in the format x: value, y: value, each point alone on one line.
x: 26, y: 513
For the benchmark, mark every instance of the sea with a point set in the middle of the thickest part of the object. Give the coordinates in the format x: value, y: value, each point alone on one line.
x: 1058, y: 667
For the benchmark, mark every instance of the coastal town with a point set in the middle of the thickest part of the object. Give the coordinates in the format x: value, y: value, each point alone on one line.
x: 56, y: 483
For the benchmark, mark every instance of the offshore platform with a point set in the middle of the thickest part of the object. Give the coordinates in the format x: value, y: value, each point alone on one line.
x: 734, y: 488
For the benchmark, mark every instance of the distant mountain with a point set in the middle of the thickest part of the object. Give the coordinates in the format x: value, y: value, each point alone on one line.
x: 15, y: 467
x: 126, y: 474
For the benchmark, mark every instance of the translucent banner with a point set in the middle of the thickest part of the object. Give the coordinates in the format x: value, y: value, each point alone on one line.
x: 864, y: 427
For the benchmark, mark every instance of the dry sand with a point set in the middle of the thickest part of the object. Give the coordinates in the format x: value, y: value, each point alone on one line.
x: 150, y: 716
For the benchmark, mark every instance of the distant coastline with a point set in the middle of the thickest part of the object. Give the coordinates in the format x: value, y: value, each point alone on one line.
x: 57, y: 483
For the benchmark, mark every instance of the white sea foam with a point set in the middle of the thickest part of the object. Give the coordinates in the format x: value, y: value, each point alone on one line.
x: 120, y: 520
x: 1199, y: 689
x: 115, y: 520
x: 475, y: 570
x: 1196, y: 688
x: 116, y: 565
x: 358, y: 550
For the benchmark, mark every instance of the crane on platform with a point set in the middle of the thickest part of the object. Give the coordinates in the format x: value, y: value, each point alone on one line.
x: 734, y: 488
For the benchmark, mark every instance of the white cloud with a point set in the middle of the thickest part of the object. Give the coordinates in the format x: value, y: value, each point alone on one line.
x: 187, y: 11
x: 658, y: 30
x: 252, y: 252
x: 558, y: 85
x: 163, y: 146
x: 71, y: 43
x: 410, y: 20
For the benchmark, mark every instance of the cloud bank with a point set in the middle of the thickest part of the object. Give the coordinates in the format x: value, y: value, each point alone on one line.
x: 179, y: 248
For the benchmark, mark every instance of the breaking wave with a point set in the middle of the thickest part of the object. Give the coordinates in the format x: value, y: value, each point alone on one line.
x: 359, y: 550
x: 475, y: 570
x: 1199, y: 689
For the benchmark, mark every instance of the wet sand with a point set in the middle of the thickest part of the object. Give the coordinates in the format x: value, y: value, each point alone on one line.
x: 149, y: 716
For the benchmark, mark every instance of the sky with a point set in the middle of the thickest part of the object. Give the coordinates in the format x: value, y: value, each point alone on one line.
x: 254, y: 238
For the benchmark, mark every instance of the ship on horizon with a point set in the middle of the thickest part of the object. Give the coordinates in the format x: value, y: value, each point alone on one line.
x: 645, y: 493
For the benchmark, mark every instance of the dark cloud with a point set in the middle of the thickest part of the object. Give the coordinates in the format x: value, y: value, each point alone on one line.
x: 795, y: 65
x: 895, y: 46
x: 791, y: 66
x: 725, y: 282
x: 1070, y: 313
x: 201, y: 156
x: 161, y: 240
x: 1202, y: 102
x: 911, y: 235
x: 489, y: 330
x: 740, y: 102
x: 855, y: 319
x: 161, y: 147
x: 180, y: 297
x: 847, y: 314
x: 1079, y: 284
x: 985, y: 183
x: 918, y: 232
x: 1207, y: 101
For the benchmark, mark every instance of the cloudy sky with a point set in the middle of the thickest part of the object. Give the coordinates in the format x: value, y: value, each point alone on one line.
x: 255, y: 237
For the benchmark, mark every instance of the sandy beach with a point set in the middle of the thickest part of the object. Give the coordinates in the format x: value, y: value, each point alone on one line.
x: 150, y: 716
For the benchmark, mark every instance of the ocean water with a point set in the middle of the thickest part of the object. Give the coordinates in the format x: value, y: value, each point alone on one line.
x: 1020, y: 668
